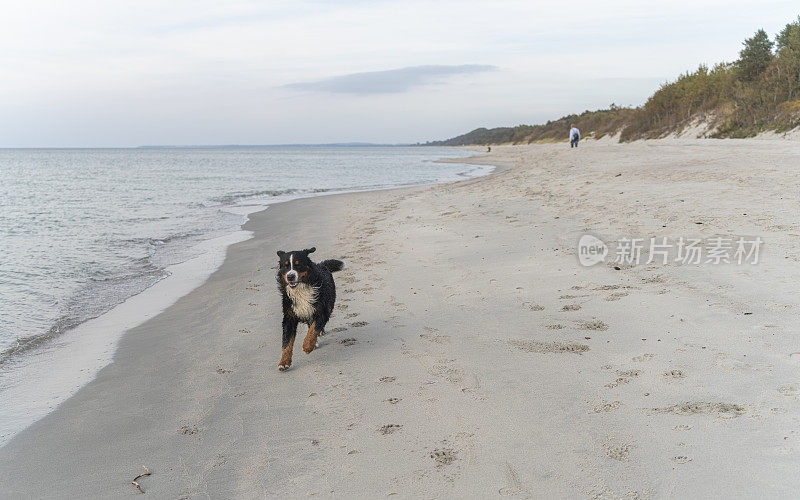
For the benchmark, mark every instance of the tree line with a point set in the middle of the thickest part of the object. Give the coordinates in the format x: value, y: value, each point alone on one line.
x: 759, y: 91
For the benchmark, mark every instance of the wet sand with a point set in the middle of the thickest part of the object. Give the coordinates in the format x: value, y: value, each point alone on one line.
x: 470, y: 353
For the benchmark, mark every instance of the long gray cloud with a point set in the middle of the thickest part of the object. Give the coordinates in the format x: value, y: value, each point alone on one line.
x: 390, y: 81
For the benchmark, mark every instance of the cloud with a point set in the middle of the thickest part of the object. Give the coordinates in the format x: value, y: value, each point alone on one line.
x: 391, y: 81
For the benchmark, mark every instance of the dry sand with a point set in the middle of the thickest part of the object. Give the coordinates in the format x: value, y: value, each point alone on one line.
x: 470, y: 354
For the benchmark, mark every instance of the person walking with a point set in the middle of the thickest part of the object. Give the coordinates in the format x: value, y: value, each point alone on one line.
x: 574, y: 136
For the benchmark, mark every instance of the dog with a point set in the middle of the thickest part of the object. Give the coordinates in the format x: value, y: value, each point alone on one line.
x: 308, y: 293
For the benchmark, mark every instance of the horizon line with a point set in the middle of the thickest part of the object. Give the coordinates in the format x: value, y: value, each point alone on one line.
x: 213, y: 146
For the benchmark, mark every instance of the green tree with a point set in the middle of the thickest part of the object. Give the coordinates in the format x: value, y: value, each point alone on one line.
x: 788, y: 60
x: 789, y: 37
x: 756, y: 56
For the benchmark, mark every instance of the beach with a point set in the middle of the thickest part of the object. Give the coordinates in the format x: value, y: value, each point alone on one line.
x: 470, y: 353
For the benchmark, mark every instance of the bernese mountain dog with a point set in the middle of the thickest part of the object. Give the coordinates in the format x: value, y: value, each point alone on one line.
x: 308, y: 293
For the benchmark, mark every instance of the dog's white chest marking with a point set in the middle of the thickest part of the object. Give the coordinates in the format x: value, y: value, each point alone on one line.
x: 303, y: 298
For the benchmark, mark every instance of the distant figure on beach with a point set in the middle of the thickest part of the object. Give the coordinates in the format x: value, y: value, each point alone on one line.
x: 574, y: 136
x: 488, y: 149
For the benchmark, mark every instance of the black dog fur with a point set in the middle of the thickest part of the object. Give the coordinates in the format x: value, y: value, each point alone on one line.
x: 309, y: 294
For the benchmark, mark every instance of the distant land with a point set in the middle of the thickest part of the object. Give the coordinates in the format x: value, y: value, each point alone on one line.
x: 758, y: 92
x: 256, y: 146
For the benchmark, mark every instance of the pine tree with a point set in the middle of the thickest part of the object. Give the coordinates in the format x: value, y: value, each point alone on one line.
x: 756, y: 55
x: 789, y: 37
x: 788, y: 67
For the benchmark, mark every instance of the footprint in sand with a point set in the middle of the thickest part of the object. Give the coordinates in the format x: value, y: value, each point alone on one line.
x: 188, y: 430
x: 223, y: 371
x: 722, y: 410
x: 338, y: 329
x: 674, y: 374
x: 594, y: 325
x: 389, y: 429
x: 555, y: 327
x: 436, y: 338
x: 446, y: 370
x: 619, y: 452
x: 532, y: 306
x: 549, y: 347
x: 681, y: 459
x: 383, y: 380
x: 351, y: 315
x: 512, y: 480
x: 359, y: 324
x: 606, y: 407
x: 610, y: 287
x: 571, y: 307
x: 392, y: 401
x: 442, y: 457
x: 348, y: 341
x: 618, y: 382
x: 624, y: 377
x: 474, y: 386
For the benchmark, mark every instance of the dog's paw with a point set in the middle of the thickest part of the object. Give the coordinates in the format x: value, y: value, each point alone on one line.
x: 283, y: 368
x: 308, y: 348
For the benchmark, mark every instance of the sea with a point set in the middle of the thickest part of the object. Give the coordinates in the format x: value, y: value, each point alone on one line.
x: 84, y: 231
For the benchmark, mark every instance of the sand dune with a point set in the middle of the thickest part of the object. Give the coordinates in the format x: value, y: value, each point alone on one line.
x: 471, y: 354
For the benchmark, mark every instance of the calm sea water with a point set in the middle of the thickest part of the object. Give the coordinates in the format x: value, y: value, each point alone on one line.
x: 84, y: 229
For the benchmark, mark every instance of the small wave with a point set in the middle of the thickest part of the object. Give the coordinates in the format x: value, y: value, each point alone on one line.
x: 230, y: 198
x: 105, y: 292
x: 173, y: 237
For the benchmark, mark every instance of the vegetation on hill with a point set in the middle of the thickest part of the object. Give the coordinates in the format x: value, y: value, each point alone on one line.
x: 759, y: 91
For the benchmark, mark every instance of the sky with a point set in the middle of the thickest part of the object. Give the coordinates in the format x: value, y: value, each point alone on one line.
x: 140, y: 72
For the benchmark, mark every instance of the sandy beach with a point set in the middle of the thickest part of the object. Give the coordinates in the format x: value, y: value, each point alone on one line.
x: 470, y: 354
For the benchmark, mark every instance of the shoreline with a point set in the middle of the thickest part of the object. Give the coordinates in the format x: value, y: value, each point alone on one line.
x: 132, y: 344
x: 470, y: 354
x: 81, y: 352
x: 78, y: 354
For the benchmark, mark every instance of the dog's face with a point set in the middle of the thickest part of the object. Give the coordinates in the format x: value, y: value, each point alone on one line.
x: 294, y: 266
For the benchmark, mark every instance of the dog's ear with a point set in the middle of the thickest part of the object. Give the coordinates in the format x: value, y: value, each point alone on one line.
x: 310, y: 250
x: 281, y: 253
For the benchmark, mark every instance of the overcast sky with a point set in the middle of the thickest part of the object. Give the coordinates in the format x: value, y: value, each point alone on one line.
x: 127, y: 73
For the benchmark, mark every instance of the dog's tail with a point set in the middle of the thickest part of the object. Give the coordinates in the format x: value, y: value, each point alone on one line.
x: 332, y: 265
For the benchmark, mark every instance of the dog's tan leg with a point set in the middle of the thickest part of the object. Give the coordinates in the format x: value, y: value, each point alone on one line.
x: 311, y: 339
x: 286, y: 357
